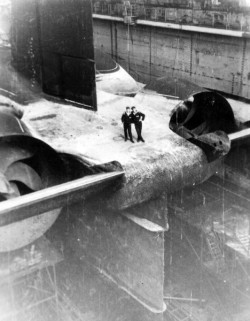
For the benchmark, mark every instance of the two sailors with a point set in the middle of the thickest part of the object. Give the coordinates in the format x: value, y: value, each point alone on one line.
x: 132, y: 116
x: 127, y: 121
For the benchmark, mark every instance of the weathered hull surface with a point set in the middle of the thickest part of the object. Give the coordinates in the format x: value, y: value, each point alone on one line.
x: 127, y: 247
x: 165, y: 163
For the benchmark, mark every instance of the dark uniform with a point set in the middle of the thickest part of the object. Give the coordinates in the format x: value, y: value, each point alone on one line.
x: 127, y: 120
x: 138, y: 124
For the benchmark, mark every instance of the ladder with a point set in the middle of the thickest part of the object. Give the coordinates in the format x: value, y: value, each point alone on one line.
x: 244, y: 240
x: 213, y: 245
x: 215, y: 251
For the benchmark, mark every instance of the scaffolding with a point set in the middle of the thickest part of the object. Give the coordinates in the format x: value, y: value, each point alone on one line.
x: 28, y: 286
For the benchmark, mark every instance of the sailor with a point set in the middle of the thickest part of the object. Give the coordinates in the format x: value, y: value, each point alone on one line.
x: 137, y: 119
x: 127, y: 120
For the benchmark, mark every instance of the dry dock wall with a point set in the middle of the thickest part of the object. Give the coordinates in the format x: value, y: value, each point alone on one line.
x: 218, y: 60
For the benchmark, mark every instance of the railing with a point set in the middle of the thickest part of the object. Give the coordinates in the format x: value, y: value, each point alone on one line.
x: 214, y: 18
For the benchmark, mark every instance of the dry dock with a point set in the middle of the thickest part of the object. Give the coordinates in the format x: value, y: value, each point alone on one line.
x: 213, y: 58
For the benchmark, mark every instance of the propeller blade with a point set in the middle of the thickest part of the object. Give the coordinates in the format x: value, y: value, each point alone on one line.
x: 25, y: 174
x: 5, y: 187
x: 11, y: 153
x: 15, y: 192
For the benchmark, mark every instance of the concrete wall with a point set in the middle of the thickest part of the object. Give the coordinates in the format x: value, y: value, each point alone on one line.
x: 213, y: 61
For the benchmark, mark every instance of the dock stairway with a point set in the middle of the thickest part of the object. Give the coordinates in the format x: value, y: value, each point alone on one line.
x: 218, y: 260
x: 244, y: 240
x: 225, y: 269
x: 218, y: 266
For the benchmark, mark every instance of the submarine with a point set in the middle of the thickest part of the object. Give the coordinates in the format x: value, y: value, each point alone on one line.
x: 31, y: 165
x: 57, y: 154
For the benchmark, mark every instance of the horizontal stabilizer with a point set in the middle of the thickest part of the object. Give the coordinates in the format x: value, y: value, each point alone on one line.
x: 36, y: 203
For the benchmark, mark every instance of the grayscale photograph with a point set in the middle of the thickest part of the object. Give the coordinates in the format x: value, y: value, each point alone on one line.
x: 124, y: 169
